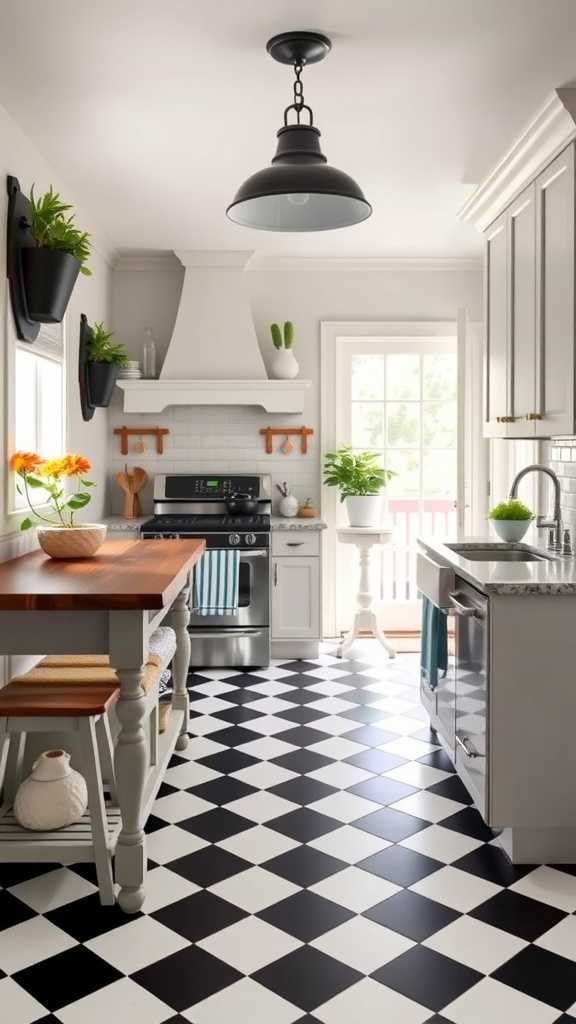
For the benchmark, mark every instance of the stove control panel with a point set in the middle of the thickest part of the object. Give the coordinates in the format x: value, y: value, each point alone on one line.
x: 215, y: 488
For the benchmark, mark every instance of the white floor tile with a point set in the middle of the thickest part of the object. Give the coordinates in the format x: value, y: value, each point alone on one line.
x: 215, y: 687
x: 415, y: 774
x: 164, y: 887
x: 362, y: 944
x: 53, y: 889
x: 16, y: 1005
x: 123, y: 999
x: 395, y: 705
x: 30, y: 942
x: 561, y: 939
x: 326, y: 672
x: 337, y: 747
x: 331, y: 706
x: 272, y: 705
x: 427, y: 806
x: 268, y: 725
x: 355, y: 889
x: 329, y: 688
x: 258, y: 844
x: 136, y: 944
x: 168, y: 843
x: 200, y: 746
x: 368, y: 1002
x: 264, y: 775
x: 340, y: 775
x: 217, y: 673
x: 250, y: 944
x: 407, y: 746
x: 344, y: 807
x: 266, y: 748
x: 441, y: 843
x: 489, y: 1000
x: 206, y: 725
x: 403, y: 725
x: 457, y: 889
x: 335, y: 726
x: 255, y: 889
x: 272, y: 672
x: 271, y: 688
x: 190, y: 774
x: 349, y: 844
x: 245, y: 1002
x: 476, y: 944
x: 179, y: 806
x: 210, y: 705
x: 557, y: 888
x: 261, y: 806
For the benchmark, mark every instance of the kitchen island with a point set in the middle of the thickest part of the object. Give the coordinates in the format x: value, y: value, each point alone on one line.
x: 505, y: 710
x: 111, y: 604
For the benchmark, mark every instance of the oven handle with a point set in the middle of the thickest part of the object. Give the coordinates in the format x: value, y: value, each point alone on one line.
x: 224, y: 634
x: 253, y: 553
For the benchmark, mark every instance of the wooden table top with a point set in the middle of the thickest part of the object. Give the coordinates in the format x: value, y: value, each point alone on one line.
x: 124, y: 575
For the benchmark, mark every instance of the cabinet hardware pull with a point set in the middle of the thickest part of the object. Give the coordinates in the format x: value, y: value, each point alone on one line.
x: 294, y: 543
x: 467, y: 747
x: 535, y: 416
x: 275, y: 574
x: 467, y: 611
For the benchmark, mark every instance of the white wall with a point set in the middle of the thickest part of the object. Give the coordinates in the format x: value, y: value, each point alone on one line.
x: 227, y: 439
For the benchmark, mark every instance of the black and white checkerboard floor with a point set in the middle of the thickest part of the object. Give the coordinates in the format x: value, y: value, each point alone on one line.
x: 313, y: 857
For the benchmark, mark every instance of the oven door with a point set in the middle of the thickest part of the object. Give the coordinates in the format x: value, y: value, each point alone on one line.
x: 254, y: 596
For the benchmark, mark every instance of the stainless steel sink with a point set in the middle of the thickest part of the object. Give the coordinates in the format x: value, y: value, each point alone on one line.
x: 498, y: 554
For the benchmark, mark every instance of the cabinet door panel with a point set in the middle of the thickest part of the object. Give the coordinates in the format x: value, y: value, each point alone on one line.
x: 295, y: 598
x: 522, y: 241
x: 555, y: 296
x: 496, y: 351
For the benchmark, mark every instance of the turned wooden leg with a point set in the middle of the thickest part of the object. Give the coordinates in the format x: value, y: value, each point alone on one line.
x: 180, y: 617
x: 131, y: 765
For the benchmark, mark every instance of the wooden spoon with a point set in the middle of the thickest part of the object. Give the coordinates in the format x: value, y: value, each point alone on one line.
x: 131, y: 483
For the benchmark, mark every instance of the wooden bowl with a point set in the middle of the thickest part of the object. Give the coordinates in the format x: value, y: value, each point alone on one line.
x: 71, y: 542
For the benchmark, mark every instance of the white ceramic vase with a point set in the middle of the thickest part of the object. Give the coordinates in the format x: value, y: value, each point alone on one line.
x: 72, y: 541
x: 53, y: 795
x: 288, y: 506
x: 284, y: 365
x: 364, y: 509
x: 511, y: 530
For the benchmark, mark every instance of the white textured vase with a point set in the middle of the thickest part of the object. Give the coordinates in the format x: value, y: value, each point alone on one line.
x: 364, y: 509
x: 72, y: 541
x: 288, y: 506
x: 53, y: 795
x: 511, y: 530
x: 284, y: 365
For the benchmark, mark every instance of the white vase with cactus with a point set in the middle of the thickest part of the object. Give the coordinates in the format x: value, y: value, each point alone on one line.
x: 284, y: 364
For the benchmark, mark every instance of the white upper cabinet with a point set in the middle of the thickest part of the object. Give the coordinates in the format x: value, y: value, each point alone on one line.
x: 529, y: 281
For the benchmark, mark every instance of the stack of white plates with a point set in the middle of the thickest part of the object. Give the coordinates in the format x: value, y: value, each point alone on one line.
x: 131, y: 371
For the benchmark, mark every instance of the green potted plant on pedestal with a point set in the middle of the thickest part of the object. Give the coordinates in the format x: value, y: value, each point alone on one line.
x: 360, y: 480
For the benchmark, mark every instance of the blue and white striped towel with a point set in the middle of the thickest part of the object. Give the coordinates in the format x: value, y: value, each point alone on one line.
x: 216, y: 578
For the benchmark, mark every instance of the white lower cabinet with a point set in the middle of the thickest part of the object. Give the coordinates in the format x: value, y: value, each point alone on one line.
x: 296, y: 618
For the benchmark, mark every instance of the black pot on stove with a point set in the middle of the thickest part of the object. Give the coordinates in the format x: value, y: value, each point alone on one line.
x: 241, y: 505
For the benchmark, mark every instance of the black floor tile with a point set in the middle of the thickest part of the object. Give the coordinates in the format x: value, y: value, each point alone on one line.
x: 64, y: 978
x: 299, y: 666
x: 427, y: 977
x: 542, y: 975
x: 228, y: 761
x: 382, y: 790
x: 304, y: 824
x: 303, y: 735
x: 166, y: 790
x: 469, y: 822
x: 13, y: 911
x: 302, y: 696
x: 391, y: 825
x: 302, y: 761
x: 438, y: 759
x: 412, y: 915
x: 304, y: 865
x: 305, y: 915
x: 222, y: 791
x: 376, y: 761
x: 369, y: 736
x: 187, y: 977
x: 216, y: 824
x: 307, y: 977
x: 363, y: 714
x: 153, y: 823
x: 242, y: 696
x: 301, y: 715
x: 400, y: 865
x: 12, y: 874
x: 86, y: 918
x: 235, y: 736
x: 241, y: 713
x: 491, y: 863
x: 524, y: 917
x: 208, y: 866
x: 453, y: 789
x: 199, y: 915
x: 302, y: 790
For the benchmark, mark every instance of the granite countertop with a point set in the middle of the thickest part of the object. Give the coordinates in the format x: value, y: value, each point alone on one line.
x: 295, y: 523
x: 553, y: 574
x: 124, y: 525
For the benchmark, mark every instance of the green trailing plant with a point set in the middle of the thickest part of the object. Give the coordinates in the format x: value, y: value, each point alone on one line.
x: 101, y: 349
x: 282, y: 337
x: 511, y: 509
x: 355, y: 474
x: 52, y: 229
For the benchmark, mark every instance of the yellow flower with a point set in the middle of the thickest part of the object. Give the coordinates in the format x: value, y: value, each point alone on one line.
x: 53, y: 467
x: 25, y: 462
x: 75, y: 465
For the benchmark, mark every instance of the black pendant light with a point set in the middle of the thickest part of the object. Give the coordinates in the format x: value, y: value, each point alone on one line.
x: 299, y: 191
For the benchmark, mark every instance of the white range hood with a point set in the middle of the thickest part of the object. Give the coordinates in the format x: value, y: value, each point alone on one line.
x: 213, y: 357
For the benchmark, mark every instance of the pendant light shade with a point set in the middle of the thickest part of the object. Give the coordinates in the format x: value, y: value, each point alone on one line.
x: 300, y: 191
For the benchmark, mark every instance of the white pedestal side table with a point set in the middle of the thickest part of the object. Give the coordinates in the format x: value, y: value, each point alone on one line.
x: 365, y: 538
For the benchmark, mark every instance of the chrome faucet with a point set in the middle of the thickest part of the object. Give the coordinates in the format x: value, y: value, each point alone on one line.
x: 541, y: 521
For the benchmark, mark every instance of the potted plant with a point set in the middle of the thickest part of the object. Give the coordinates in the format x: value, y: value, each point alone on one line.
x: 104, y: 361
x: 360, y: 480
x: 58, y: 534
x: 51, y: 265
x: 511, y: 519
x: 284, y: 364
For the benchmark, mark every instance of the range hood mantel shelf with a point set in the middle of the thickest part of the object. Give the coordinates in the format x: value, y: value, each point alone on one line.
x: 285, y: 396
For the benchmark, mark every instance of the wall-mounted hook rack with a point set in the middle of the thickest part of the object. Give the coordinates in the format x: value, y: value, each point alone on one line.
x: 125, y: 432
x: 302, y: 432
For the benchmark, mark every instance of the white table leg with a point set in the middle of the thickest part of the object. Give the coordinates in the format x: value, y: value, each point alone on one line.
x: 180, y: 617
x: 131, y: 766
x: 365, y: 618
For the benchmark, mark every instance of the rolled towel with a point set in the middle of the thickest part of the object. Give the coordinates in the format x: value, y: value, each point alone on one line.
x: 162, y: 646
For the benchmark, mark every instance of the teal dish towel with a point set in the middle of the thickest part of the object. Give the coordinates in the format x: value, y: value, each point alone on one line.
x: 216, y: 579
x: 434, y: 651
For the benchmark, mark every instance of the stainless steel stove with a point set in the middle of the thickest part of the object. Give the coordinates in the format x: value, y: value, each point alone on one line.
x: 190, y: 505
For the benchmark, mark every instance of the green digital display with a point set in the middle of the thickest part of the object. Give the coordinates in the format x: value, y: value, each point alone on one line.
x: 213, y: 483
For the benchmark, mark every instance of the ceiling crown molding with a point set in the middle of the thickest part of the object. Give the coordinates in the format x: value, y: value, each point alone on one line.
x: 553, y: 128
x: 146, y: 260
x: 378, y: 264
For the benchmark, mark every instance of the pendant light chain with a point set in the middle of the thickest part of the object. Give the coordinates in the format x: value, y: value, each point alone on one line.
x: 298, y: 105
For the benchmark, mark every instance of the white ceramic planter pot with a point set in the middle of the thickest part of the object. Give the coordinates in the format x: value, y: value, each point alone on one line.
x: 364, y: 509
x: 53, y: 795
x: 511, y: 530
x: 288, y: 506
x: 284, y: 365
x: 71, y: 542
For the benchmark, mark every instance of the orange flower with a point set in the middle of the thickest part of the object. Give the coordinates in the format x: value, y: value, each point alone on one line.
x: 53, y: 467
x: 75, y: 465
x: 25, y: 462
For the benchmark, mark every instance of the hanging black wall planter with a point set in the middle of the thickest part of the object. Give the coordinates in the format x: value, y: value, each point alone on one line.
x: 96, y: 380
x: 41, y: 280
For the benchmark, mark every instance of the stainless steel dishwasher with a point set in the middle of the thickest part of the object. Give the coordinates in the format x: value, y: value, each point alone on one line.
x: 470, y: 608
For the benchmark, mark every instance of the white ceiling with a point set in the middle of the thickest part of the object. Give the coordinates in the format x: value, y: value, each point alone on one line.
x: 154, y: 111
